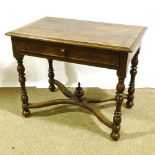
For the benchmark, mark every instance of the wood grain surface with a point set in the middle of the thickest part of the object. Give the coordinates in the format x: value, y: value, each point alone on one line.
x: 84, y: 33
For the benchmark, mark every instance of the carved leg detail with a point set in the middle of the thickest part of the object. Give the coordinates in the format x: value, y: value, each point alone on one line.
x: 51, y: 75
x: 117, y: 115
x: 131, y: 89
x: 22, y: 79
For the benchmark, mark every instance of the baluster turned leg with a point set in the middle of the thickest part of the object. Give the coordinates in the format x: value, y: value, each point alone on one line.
x: 131, y: 88
x: 117, y: 115
x: 22, y: 79
x: 51, y: 75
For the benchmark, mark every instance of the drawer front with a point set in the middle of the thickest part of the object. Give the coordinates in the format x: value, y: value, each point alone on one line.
x: 36, y: 47
x: 97, y: 56
x: 66, y: 52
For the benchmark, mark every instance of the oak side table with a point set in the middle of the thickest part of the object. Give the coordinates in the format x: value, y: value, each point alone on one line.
x: 106, y: 45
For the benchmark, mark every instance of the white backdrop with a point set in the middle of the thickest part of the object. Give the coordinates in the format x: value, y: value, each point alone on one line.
x: 16, y: 13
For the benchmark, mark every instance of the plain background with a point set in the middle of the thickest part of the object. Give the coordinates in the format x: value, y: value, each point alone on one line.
x: 16, y: 13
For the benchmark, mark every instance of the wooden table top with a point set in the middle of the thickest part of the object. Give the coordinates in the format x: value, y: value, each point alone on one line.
x: 115, y: 37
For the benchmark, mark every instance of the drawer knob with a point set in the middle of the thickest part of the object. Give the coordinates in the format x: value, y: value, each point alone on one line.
x: 63, y: 51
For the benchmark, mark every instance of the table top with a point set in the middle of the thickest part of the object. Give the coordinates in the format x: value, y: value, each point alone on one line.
x: 84, y: 33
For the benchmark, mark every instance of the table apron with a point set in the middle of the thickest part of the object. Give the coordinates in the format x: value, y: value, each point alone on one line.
x: 68, y: 53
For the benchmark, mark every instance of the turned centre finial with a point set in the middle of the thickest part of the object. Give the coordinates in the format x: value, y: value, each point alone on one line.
x: 79, y: 91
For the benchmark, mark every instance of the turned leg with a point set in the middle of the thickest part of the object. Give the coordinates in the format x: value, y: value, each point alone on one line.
x: 51, y: 75
x: 22, y: 79
x: 131, y: 89
x: 117, y: 115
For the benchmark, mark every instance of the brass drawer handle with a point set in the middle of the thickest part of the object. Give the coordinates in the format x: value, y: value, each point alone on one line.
x: 63, y: 51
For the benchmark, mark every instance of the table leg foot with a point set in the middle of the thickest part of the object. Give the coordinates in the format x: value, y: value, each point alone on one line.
x: 115, y: 136
x: 129, y: 104
x: 116, y: 126
x: 26, y: 113
x: 52, y: 88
